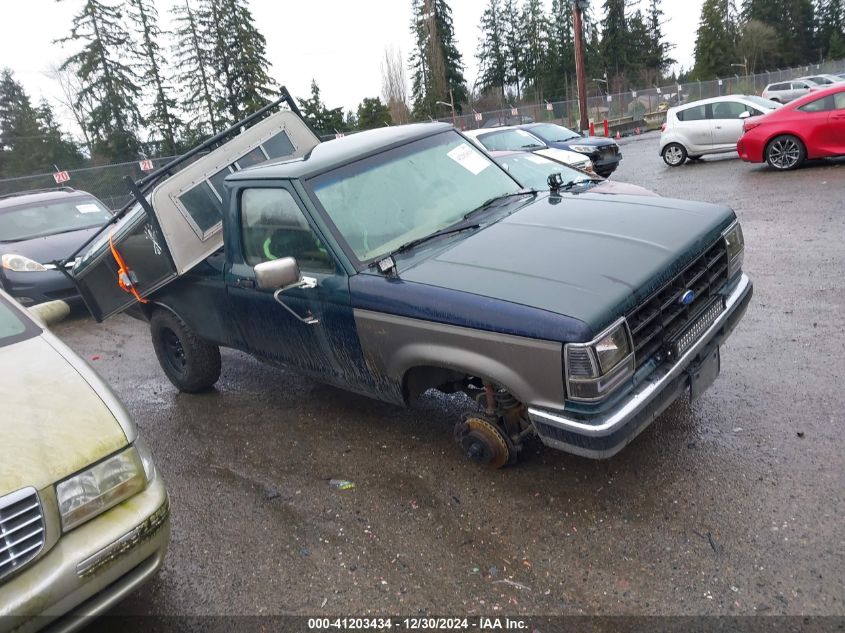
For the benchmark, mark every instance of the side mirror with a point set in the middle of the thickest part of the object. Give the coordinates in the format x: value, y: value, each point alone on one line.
x: 745, y: 115
x: 277, y: 273
x: 51, y: 312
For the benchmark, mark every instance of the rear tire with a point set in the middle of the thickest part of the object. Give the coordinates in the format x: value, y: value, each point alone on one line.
x: 785, y: 152
x: 674, y: 154
x: 191, y: 363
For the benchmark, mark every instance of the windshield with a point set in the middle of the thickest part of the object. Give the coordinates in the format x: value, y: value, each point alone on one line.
x: 768, y: 104
x: 510, y: 140
x: 552, y: 133
x: 380, y: 203
x: 13, y: 327
x: 50, y: 217
x: 533, y: 171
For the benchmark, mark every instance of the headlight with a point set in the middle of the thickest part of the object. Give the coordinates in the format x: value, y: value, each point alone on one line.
x: 21, y: 264
x: 596, y: 368
x: 583, y: 149
x: 93, y: 491
x: 735, y: 243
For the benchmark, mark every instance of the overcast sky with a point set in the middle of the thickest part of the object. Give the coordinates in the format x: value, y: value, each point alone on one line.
x: 337, y: 42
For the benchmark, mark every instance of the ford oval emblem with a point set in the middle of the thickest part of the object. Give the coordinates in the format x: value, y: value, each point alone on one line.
x: 687, y: 298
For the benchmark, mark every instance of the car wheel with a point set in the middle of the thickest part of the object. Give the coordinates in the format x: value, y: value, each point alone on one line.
x: 785, y: 152
x: 674, y: 154
x: 190, y: 363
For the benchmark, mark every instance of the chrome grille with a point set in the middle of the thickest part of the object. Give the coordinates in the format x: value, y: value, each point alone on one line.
x: 656, y: 321
x: 21, y: 530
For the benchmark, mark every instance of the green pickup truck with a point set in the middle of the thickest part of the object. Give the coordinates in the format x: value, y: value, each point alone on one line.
x: 404, y: 259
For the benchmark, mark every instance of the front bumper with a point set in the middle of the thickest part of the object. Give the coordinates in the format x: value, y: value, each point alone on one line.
x: 605, y: 164
x: 605, y: 434
x: 37, y: 287
x: 91, y: 568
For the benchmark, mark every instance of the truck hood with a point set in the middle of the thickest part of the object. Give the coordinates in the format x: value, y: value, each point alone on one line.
x: 53, y: 423
x: 591, y: 257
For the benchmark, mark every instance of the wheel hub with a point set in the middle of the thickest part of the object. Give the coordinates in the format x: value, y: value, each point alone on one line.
x: 482, y: 442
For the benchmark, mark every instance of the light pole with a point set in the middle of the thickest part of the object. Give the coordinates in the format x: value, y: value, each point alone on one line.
x: 451, y: 104
x: 744, y: 66
x: 578, y: 7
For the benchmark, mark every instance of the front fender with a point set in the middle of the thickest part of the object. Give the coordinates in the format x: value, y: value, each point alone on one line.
x: 531, y: 369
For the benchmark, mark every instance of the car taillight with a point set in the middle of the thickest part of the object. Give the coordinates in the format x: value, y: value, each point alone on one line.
x: 662, y: 127
x: 749, y: 125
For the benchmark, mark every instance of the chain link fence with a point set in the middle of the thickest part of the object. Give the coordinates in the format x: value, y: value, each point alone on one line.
x: 106, y: 182
x: 623, y: 111
x: 641, y: 107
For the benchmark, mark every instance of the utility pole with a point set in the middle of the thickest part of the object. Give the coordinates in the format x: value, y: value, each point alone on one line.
x: 580, y: 74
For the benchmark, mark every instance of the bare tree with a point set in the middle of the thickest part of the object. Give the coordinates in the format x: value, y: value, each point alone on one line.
x: 73, y: 100
x: 394, y: 89
x: 758, y: 41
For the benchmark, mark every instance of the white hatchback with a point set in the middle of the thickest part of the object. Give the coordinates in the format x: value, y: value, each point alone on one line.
x: 709, y: 126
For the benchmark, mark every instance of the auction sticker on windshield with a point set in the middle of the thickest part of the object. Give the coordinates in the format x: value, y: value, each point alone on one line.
x: 87, y: 208
x: 468, y: 158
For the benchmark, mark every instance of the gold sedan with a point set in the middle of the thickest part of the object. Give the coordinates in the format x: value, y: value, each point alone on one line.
x: 84, y: 516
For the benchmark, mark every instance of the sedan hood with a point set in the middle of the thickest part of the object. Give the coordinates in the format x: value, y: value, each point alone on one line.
x: 563, y: 155
x: 53, y: 423
x: 49, y: 248
x: 589, y: 256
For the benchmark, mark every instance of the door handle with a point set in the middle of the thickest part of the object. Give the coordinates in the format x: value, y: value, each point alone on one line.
x: 243, y: 282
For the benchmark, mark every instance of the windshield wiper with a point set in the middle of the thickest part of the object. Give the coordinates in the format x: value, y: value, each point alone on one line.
x: 455, y: 228
x: 486, y: 205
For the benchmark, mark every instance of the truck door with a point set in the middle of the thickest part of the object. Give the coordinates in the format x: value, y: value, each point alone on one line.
x: 269, y: 223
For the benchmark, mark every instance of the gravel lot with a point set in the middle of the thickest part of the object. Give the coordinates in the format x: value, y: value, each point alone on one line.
x: 731, y: 506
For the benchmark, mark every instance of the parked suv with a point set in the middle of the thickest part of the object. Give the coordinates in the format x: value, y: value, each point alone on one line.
x: 786, y: 91
x: 709, y: 126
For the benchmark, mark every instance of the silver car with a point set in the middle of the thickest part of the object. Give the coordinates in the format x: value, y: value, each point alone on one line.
x: 786, y: 91
x: 709, y: 126
x: 824, y: 79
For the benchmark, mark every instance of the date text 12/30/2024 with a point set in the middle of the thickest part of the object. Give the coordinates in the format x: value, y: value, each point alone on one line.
x: 419, y: 624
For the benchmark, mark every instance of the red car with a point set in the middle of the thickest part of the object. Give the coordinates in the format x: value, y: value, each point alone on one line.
x: 812, y: 126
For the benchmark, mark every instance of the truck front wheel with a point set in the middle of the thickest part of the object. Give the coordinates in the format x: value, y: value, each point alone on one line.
x: 191, y: 363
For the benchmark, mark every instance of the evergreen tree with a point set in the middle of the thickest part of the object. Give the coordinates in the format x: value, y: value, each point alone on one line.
x: 715, y: 46
x: 514, y: 46
x: 532, y: 26
x: 239, y: 58
x: 831, y: 28
x: 491, y: 55
x: 560, y: 51
x: 372, y: 113
x: 657, y: 58
x: 437, y: 69
x: 30, y: 138
x: 615, y: 39
x: 195, y: 73
x: 143, y: 16
x: 323, y: 120
x: 107, y: 78
x: 794, y: 22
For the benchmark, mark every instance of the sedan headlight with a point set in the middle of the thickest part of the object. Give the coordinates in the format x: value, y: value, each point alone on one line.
x: 735, y: 243
x: 595, y: 369
x: 95, y: 490
x: 21, y: 264
x: 583, y: 149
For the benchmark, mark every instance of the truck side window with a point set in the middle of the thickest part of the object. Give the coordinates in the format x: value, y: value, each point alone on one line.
x: 273, y: 226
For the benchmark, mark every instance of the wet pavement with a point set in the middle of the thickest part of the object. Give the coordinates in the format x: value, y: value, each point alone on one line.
x: 733, y: 505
